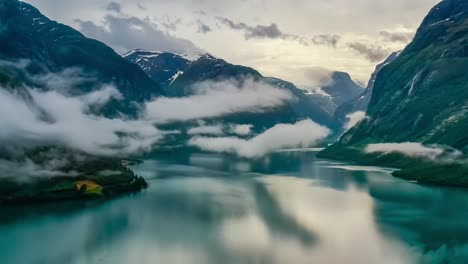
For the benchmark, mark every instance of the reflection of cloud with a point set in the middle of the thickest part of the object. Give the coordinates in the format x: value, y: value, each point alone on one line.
x: 304, y: 133
x: 246, y: 236
x: 337, y: 218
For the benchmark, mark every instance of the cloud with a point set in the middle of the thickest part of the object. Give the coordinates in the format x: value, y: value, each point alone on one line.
x: 354, y: 119
x: 317, y: 76
x: 113, y: 6
x: 302, y: 134
x: 326, y: 39
x: 404, y: 37
x: 27, y: 168
x: 221, y: 129
x: 46, y: 114
x: 272, y: 31
x: 370, y: 52
x: 215, y: 99
x: 171, y: 24
x: 124, y: 33
x: 414, y: 150
x: 141, y: 6
x: 102, y: 96
x: 206, y: 130
x: 241, y: 130
x: 203, y: 28
x: 70, y: 124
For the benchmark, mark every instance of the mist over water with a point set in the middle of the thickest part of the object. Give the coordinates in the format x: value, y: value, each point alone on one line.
x: 287, y: 208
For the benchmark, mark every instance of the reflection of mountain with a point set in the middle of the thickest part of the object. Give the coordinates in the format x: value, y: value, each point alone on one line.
x: 422, y: 217
x: 277, y: 220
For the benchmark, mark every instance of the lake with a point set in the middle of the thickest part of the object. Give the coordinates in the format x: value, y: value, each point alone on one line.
x: 289, y: 207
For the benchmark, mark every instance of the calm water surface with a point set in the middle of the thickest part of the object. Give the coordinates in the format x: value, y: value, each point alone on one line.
x: 287, y: 208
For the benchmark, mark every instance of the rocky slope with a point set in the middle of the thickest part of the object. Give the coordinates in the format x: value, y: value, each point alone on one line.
x: 422, y: 96
x: 51, y: 46
x: 361, y: 102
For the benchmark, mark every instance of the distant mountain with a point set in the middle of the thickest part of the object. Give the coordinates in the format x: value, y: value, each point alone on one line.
x: 27, y: 34
x: 337, y: 91
x: 178, y: 73
x: 361, y: 102
x: 162, y: 67
x: 342, y: 88
x: 422, y: 95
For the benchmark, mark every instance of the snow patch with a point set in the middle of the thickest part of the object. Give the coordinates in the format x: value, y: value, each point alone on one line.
x: 174, y: 77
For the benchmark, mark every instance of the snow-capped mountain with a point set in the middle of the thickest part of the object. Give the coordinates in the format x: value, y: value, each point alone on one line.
x: 335, y: 92
x: 177, y: 73
x: 162, y: 67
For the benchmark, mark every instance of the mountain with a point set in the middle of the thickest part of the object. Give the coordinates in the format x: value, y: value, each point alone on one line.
x: 178, y: 73
x: 25, y: 33
x: 342, y: 88
x: 162, y: 67
x: 421, y: 96
x: 361, y: 102
x: 335, y: 92
x: 32, y: 47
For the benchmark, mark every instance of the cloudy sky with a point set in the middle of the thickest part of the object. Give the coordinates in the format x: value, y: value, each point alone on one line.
x: 278, y: 39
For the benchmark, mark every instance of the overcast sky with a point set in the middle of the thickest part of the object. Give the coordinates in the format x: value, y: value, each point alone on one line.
x: 279, y: 39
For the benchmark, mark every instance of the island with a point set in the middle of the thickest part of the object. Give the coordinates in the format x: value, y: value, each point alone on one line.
x: 95, y: 179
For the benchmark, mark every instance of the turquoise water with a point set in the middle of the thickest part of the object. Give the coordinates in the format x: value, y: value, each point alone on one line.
x: 287, y: 208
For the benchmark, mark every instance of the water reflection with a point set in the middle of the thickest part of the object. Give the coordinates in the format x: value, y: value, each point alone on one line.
x: 287, y: 208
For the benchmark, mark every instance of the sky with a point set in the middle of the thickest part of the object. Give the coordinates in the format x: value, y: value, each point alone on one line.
x: 279, y: 39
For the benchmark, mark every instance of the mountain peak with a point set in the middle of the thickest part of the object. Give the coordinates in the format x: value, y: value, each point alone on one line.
x: 446, y: 11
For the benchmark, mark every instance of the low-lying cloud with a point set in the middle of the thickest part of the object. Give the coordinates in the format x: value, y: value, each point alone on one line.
x: 45, y: 118
x: 215, y: 99
x: 206, y: 130
x: 354, y: 119
x: 23, y: 169
x: 304, y: 133
x: 241, y: 130
x: 414, y: 150
x: 49, y: 111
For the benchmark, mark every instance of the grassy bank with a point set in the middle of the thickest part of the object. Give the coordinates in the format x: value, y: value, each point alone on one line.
x: 454, y: 173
